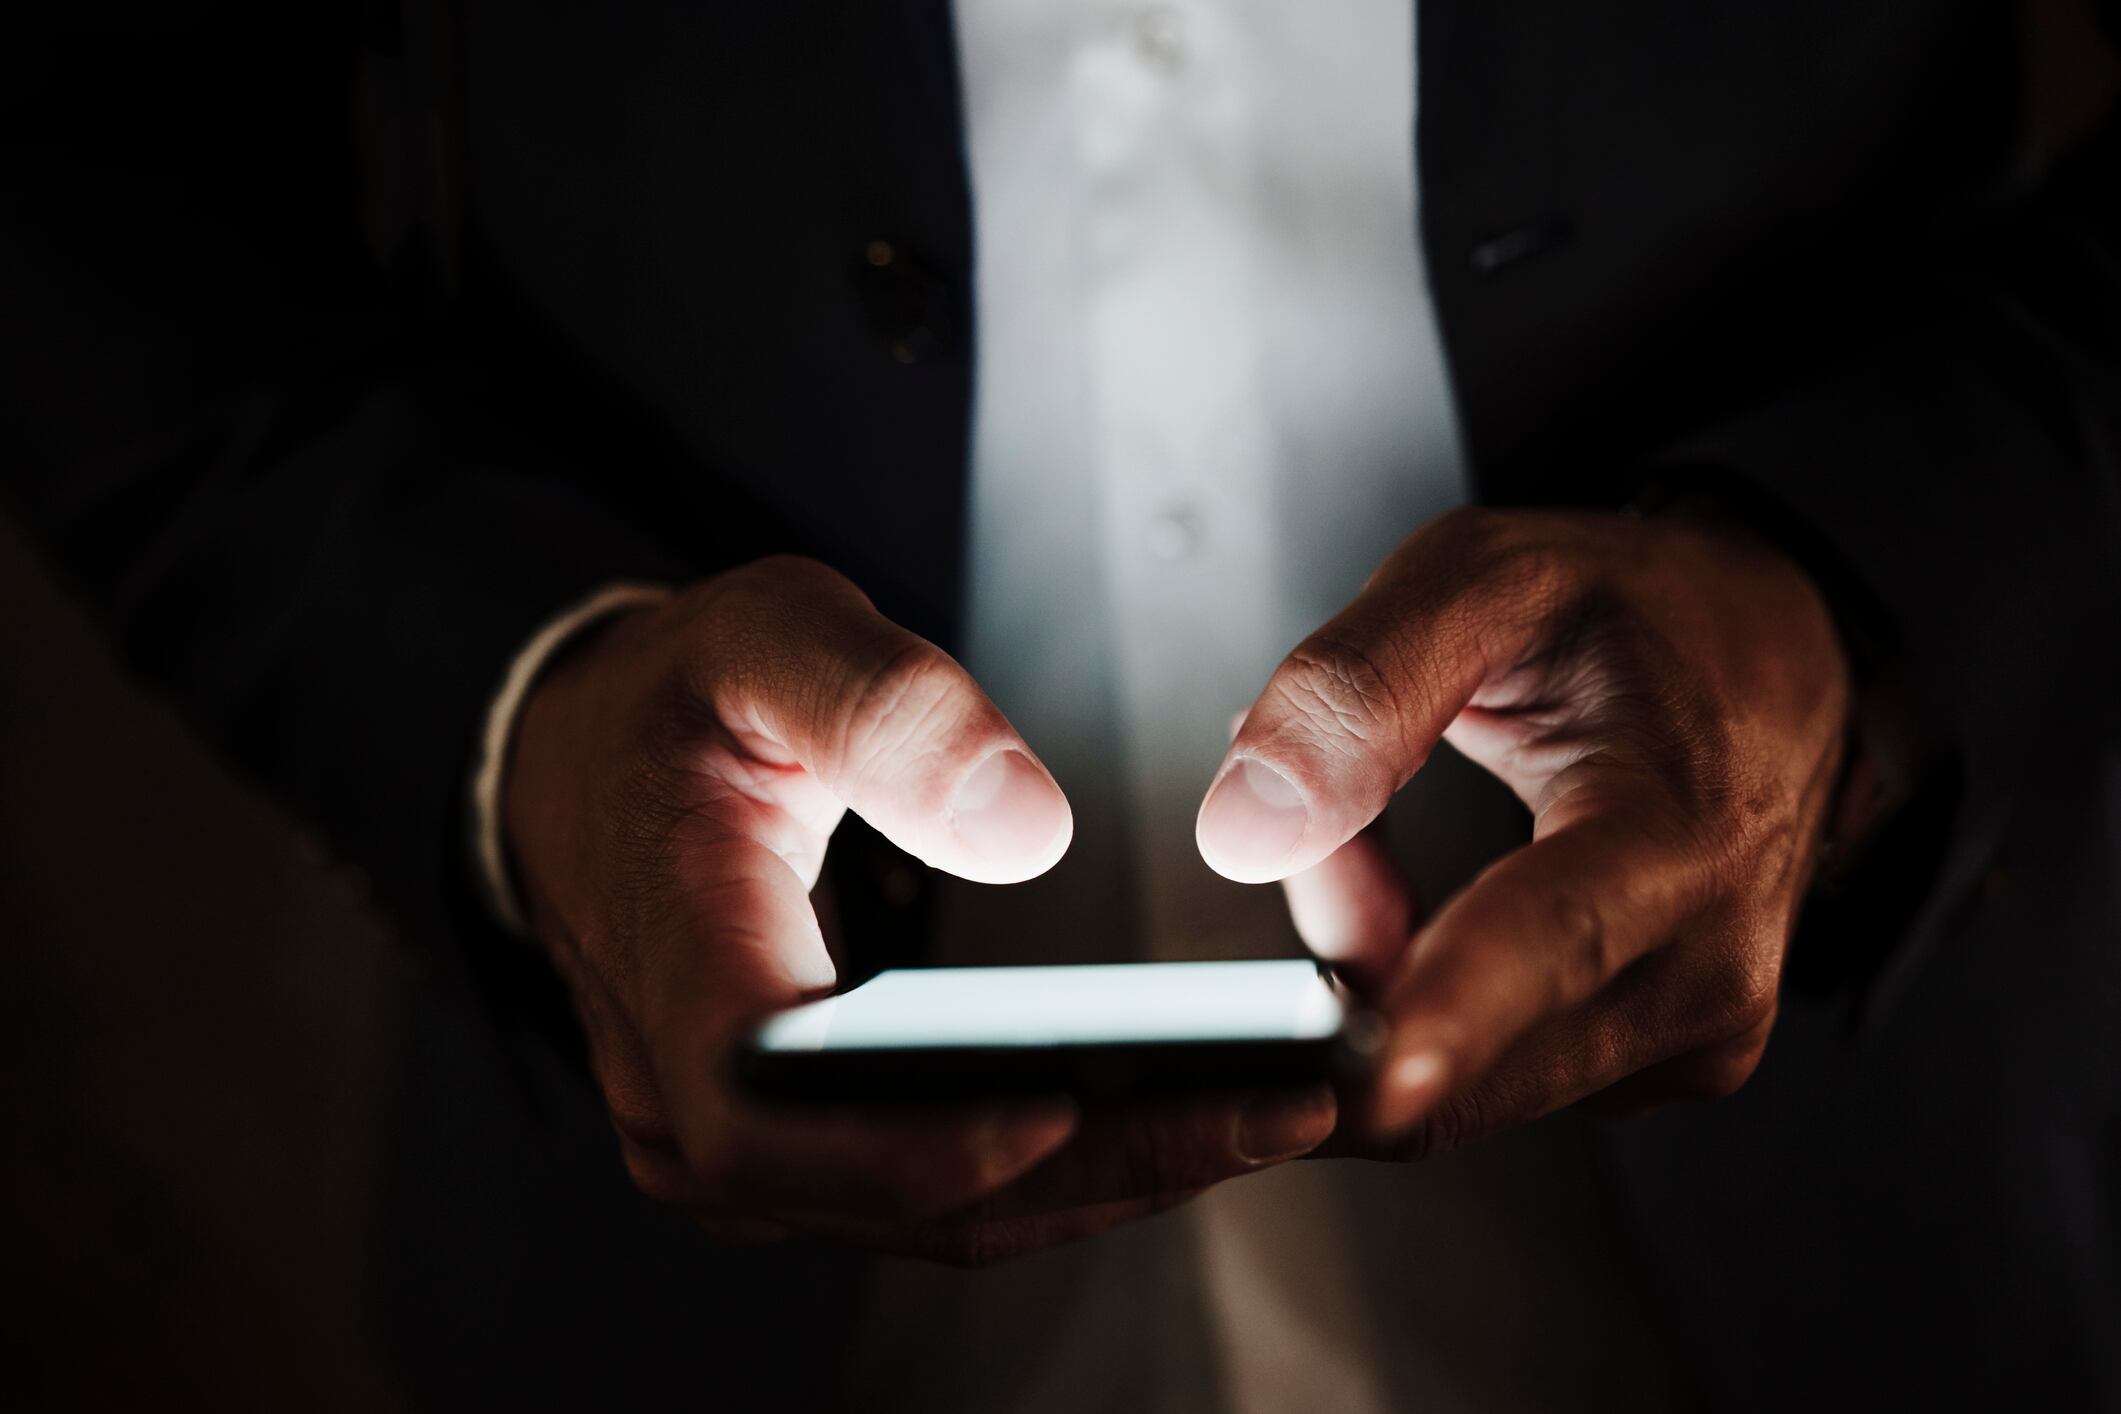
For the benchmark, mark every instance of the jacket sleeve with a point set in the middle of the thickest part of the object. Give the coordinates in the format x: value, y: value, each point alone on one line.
x: 1955, y: 479
x: 314, y: 516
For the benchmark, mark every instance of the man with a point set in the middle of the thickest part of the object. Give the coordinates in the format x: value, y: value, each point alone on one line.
x: 709, y: 281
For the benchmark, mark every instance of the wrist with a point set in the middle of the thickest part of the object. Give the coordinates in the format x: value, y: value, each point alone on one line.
x: 496, y: 783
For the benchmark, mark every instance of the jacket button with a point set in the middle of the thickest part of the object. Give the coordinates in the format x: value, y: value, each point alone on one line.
x: 1512, y: 247
x: 909, y: 307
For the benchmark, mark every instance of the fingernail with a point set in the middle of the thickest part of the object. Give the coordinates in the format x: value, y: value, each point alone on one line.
x: 1273, y: 1127
x: 1251, y: 822
x: 1008, y: 811
x: 1408, y: 1087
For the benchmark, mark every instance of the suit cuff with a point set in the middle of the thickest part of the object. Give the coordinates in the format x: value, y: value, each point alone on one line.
x: 495, y: 877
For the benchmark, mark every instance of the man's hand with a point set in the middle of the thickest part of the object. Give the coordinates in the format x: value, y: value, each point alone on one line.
x: 1668, y: 697
x: 673, y: 784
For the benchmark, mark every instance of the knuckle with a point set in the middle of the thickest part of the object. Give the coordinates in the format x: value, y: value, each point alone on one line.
x: 1488, y: 542
x: 1416, y: 1144
x: 1453, y: 1123
x: 744, y: 611
x: 1754, y: 996
x: 1338, y: 690
x: 1722, y: 1072
x: 904, y: 705
x: 1729, y: 1075
x: 636, y: 1111
x: 1584, y: 947
x: 1746, y: 993
x: 651, y: 1175
x: 1469, y: 526
x: 778, y: 575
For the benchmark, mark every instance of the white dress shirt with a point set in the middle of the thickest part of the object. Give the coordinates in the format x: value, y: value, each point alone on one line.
x: 1210, y: 399
x: 1210, y: 396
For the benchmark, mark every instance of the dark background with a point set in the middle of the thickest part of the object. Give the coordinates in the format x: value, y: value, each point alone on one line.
x: 198, y: 1021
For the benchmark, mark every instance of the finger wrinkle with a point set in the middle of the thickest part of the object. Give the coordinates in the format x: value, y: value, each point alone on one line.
x: 892, y: 706
x: 1337, y: 680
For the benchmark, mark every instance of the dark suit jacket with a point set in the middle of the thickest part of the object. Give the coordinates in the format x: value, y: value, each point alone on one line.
x: 343, y: 347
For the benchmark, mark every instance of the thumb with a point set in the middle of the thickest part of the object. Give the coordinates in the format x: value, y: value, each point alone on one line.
x: 894, y: 728
x: 1353, y: 712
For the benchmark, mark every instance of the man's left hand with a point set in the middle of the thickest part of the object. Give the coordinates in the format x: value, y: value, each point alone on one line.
x: 1669, y: 698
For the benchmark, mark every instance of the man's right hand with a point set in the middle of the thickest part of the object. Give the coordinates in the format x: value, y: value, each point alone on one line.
x: 672, y: 787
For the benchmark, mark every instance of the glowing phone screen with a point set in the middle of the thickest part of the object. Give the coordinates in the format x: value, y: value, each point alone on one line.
x: 1058, y: 1006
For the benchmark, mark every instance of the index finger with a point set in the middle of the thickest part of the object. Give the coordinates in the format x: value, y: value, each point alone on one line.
x: 903, y: 1167
x: 1142, y: 1153
x: 1148, y: 1148
x: 1609, y: 876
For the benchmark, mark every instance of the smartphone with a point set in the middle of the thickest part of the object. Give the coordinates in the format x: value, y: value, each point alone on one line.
x: 1094, y: 1032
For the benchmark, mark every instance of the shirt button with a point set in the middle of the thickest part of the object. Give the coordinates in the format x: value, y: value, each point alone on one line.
x: 1174, y: 532
x: 1159, y: 37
